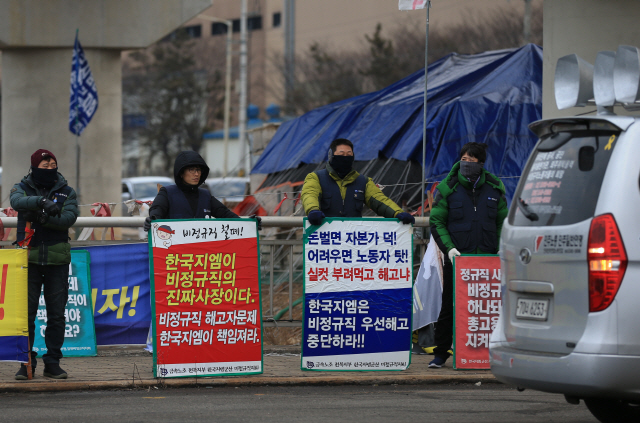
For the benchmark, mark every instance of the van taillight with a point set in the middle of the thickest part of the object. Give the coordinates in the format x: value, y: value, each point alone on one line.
x: 607, y: 261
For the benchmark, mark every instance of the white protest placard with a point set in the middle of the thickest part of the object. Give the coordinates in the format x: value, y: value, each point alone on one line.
x: 358, y: 295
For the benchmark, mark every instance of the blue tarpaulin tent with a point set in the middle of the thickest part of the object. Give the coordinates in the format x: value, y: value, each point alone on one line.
x: 489, y: 97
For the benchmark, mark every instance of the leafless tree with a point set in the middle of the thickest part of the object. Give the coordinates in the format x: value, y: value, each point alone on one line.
x: 164, y: 84
x: 324, y: 76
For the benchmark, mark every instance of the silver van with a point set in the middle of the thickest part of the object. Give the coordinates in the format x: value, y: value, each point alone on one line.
x: 570, y: 248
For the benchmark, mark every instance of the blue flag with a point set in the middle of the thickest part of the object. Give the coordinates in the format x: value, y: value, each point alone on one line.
x: 84, y: 95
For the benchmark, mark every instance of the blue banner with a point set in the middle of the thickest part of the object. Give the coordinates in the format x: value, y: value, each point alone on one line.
x: 84, y: 94
x: 79, y: 334
x: 14, y: 331
x: 120, y: 293
x: 339, y: 322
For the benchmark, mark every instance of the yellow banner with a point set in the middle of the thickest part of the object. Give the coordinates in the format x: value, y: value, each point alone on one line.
x: 13, y: 293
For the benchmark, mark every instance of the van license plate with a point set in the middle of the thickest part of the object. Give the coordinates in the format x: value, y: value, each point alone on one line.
x: 532, y: 309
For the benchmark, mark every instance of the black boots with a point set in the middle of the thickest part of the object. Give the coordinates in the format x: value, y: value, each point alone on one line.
x: 22, y: 373
x: 53, y: 370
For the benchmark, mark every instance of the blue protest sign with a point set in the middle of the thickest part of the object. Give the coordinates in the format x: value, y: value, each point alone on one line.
x: 358, y: 295
x: 120, y: 293
x: 84, y: 94
x: 79, y: 336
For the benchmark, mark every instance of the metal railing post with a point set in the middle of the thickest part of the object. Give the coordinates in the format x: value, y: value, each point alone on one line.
x: 271, y: 282
x: 291, y: 282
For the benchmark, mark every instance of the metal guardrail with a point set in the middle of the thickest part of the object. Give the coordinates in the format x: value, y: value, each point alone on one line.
x: 137, y: 222
x: 280, y: 259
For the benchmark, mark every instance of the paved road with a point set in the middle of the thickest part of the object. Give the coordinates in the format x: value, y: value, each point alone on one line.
x: 458, y: 403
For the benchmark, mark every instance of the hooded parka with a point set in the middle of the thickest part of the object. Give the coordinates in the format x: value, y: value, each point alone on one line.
x: 184, y: 201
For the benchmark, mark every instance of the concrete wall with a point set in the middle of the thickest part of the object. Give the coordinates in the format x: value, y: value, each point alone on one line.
x: 584, y: 27
x: 116, y: 24
x: 35, y: 114
x: 213, y: 153
x: 36, y: 38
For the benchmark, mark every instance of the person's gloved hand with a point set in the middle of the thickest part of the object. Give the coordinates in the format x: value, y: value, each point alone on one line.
x: 147, y: 223
x: 258, y: 219
x: 315, y: 217
x: 405, y: 218
x: 452, y: 253
x: 50, y: 207
x: 42, y: 217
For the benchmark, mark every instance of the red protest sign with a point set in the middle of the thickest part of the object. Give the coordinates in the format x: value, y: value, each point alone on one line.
x: 206, y: 289
x: 477, y: 305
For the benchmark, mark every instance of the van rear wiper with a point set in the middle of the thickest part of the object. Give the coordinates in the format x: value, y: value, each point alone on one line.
x: 524, y: 208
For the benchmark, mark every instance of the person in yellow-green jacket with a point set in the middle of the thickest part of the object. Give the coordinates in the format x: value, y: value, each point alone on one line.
x: 340, y: 191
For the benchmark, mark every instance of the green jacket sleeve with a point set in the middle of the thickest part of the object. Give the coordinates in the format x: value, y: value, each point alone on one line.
x: 438, y: 222
x: 503, y: 211
x: 378, y: 202
x: 20, y: 201
x: 68, y: 214
x: 311, y: 191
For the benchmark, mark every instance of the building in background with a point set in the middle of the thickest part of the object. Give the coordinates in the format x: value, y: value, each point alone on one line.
x: 340, y: 26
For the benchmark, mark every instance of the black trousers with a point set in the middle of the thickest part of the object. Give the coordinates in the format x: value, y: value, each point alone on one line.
x: 444, y: 325
x: 55, y: 280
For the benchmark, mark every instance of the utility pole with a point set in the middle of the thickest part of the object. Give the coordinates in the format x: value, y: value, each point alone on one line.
x: 227, y: 88
x: 242, y: 127
x: 526, y: 35
x: 289, y: 52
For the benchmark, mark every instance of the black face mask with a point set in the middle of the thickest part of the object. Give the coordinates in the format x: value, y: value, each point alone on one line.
x: 341, y: 164
x: 44, y: 177
x: 471, y: 170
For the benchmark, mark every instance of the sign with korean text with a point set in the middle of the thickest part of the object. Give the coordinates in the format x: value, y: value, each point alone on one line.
x: 477, y: 305
x: 79, y: 330
x: 206, y: 297
x: 14, y: 330
x: 120, y: 293
x: 358, y: 295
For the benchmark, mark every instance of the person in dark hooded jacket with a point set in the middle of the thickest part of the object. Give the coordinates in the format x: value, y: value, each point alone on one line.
x: 185, y: 199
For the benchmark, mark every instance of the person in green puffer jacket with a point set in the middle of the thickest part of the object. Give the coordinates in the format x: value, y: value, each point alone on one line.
x: 44, y: 199
x: 340, y: 191
x: 467, y: 216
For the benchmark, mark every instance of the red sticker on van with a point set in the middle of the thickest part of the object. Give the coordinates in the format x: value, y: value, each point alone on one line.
x: 539, y: 239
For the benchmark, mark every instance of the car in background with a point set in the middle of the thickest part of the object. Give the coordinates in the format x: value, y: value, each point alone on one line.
x: 230, y: 190
x: 143, y: 188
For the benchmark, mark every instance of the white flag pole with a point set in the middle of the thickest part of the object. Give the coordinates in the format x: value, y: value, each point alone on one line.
x: 424, y: 124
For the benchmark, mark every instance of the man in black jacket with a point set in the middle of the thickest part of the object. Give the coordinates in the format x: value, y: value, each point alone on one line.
x: 186, y: 200
x: 44, y: 199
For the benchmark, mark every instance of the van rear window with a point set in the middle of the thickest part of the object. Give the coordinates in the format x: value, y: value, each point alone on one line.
x: 561, y: 183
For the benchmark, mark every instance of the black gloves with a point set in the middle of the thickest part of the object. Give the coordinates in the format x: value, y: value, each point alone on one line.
x: 258, y: 219
x: 315, y: 217
x: 147, y: 223
x: 50, y: 207
x: 405, y: 218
